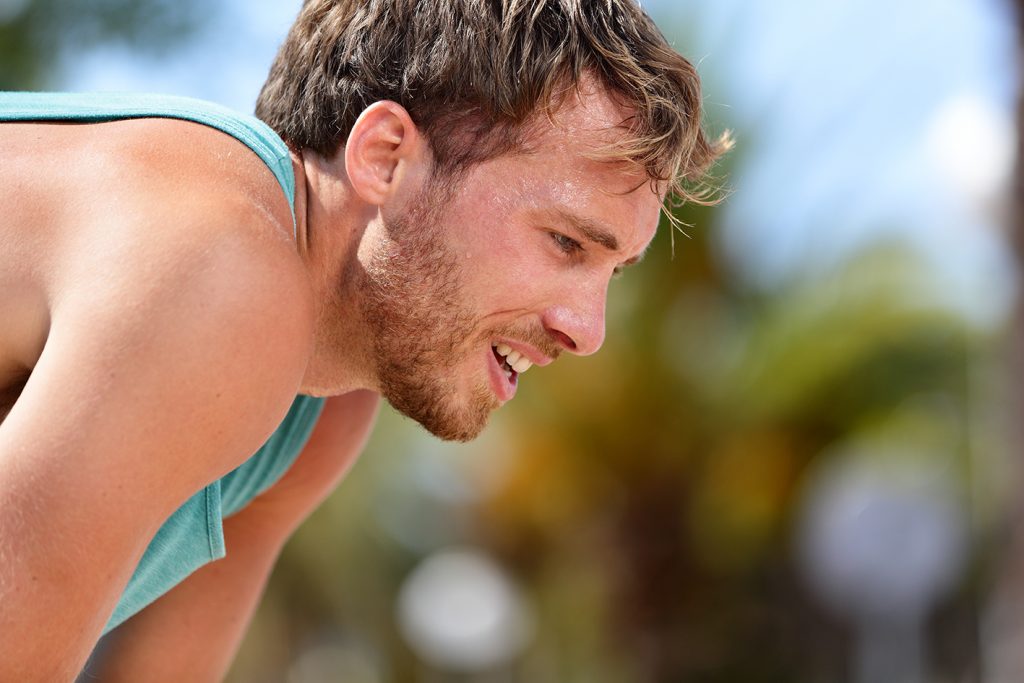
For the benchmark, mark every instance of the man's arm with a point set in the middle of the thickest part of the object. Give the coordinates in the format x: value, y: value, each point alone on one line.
x: 131, y: 408
x: 192, y: 632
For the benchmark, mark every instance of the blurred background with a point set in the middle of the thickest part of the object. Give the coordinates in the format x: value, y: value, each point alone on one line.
x: 794, y: 460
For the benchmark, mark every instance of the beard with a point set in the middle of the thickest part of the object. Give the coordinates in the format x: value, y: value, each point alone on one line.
x: 412, y: 302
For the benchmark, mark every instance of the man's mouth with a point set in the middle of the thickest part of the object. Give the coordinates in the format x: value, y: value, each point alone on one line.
x: 512, y: 363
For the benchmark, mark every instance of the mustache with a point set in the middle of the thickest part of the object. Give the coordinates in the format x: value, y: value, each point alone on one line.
x: 533, y: 335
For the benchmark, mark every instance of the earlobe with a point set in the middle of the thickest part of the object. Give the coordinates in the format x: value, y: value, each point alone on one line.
x: 383, y: 141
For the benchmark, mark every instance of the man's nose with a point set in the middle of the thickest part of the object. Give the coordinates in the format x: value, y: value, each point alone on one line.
x: 579, y: 324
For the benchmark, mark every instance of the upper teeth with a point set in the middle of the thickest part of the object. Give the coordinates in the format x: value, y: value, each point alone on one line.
x: 516, y: 360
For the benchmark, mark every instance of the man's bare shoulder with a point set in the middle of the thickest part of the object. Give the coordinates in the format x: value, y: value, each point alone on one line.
x: 180, y: 203
x: 46, y: 161
x: 176, y: 166
x: 150, y: 221
x: 188, y: 220
x: 177, y: 331
x: 74, y: 193
x: 172, y: 282
x: 220, y: 173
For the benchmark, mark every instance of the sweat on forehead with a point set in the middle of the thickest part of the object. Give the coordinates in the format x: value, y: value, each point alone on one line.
x: 584, y: 117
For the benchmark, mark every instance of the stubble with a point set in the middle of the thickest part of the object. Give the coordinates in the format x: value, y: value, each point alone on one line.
x: 413, y: 302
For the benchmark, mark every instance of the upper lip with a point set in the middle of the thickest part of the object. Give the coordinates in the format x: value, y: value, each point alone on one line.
x: 528, y: 352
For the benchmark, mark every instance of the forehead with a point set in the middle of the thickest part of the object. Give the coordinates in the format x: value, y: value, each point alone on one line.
x: 561, y: 171
x: 585, y: 115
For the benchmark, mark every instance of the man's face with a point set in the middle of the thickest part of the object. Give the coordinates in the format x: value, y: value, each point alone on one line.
x: 515, y: 255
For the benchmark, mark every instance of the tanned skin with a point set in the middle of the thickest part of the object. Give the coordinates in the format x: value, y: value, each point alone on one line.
x: 160, y: 315
x: 142, y: 352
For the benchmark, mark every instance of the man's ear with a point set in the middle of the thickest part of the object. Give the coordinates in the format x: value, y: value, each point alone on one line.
x: 383, y: 145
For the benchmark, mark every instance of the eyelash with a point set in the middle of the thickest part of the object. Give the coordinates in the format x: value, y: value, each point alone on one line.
x: 566, y: 244
x: 571, y: 247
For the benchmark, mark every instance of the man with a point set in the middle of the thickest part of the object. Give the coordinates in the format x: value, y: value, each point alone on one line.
x: 461, y: 181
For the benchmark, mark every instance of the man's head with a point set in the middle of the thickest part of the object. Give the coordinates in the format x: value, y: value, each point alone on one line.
x: 553, y: 131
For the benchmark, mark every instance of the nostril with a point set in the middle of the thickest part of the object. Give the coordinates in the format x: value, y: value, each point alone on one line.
x: 564, y: 339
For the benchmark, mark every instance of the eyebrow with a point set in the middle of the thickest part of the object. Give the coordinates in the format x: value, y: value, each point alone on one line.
x: 591, y: 229
x: 596, y: 232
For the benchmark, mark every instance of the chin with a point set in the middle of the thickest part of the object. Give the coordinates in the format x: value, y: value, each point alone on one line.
x: 447, y: 423
x: 440, y: 414
x: 462, y: 434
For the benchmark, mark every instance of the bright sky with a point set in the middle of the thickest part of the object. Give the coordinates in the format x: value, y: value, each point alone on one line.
x: 226, y: 62
x: 857, y: 119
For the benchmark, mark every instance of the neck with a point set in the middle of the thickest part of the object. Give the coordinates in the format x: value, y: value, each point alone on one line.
x: 330, y: 223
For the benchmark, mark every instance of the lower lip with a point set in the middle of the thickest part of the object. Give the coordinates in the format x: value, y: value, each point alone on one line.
x: 504, y: 388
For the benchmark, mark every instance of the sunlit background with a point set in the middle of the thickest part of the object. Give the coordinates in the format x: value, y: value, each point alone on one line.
x: 790, y: 463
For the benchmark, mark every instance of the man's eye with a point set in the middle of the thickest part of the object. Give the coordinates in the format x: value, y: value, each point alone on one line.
x: 566, y: 244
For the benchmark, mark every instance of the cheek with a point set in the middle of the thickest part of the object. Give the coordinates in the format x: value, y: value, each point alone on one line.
x: 503, y: 272
x: 487, y: 252
x: 504, y: 260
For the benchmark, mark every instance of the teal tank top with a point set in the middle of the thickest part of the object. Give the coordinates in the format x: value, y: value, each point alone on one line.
x: 194, y: 534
